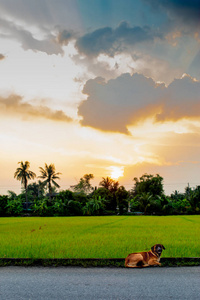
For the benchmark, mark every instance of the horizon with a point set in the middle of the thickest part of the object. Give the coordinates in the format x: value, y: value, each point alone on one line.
x: 95, y: 183
x: 110, y: 88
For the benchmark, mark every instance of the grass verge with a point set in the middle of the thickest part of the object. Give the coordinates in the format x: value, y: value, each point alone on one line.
x: 118, y: 262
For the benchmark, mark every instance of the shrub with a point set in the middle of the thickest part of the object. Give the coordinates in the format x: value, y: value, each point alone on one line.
x: 3, y: 204
x: 14, y: 206
x: 94, y: 207
x: 74, y: 208
x: 41, y: 207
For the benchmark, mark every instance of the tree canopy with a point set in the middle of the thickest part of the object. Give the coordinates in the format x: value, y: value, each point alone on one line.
x: 149, y: 183
x: 84, y: 184
x: 49, y: 175
x: 24, y: 174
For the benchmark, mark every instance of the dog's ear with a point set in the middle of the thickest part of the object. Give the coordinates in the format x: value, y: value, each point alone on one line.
x: 153, y: 248
x: 163, y: 247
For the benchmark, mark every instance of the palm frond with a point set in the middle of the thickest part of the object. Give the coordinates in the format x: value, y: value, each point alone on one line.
x: 43, y: 173
x: 55, y: 176
x: 44, y: 183
x: 55, y: 183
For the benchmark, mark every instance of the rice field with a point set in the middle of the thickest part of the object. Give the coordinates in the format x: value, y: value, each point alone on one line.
x: 98, y: 237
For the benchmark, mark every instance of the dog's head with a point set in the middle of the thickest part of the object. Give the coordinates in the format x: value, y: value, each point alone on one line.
x: 157, y: 249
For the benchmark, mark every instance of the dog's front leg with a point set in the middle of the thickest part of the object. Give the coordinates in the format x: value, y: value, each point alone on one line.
x: 154, y: 263
x: 157, y: 264
x: 131, y: 266
x: 144, y: 266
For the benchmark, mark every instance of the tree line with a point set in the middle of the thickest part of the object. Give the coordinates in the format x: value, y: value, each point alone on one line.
x: 146, y: 197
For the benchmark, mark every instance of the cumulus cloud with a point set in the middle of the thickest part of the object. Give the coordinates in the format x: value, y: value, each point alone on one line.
x: 182, y: 100
x: 14, y: 105
x: 112, y: 106
x: 121, y: 102
x: 111, y: 41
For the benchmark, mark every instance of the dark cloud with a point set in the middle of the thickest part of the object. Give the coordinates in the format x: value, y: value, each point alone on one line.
x: 111, y: 41
x: 186, y: 11
x: 113, y: 105
x: 14, y: 105
x: 182, y: 100
x: 65, y: 36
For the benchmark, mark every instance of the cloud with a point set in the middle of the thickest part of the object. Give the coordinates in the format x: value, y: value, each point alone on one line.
x: 48, y: 45
x: 121, y: 102
x: 42, y: 14
x: 111, y: 41
x: 104, y: 40
x: 14, y: 105
x: 113, y: 105
x: 182, y: 100
x: 27, y: 40
x: 65, y: 36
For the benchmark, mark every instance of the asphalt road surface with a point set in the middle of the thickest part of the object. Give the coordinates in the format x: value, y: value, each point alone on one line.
x: 38, y: 283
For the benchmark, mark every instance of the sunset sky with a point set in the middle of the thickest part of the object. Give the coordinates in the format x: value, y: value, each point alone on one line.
x: 108, y: 87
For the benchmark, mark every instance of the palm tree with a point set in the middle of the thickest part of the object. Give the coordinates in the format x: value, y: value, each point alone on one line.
x: 49, y: 174
x: 107, y: 183
x: 24, y: 174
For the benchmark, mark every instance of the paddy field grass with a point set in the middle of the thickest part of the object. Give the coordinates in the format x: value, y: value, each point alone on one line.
x: 98, y: 237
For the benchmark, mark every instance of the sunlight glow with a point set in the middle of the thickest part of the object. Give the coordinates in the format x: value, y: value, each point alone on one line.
x: 116, y: 172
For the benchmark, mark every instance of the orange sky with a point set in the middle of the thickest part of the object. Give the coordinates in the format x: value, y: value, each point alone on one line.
x: 113, y: 93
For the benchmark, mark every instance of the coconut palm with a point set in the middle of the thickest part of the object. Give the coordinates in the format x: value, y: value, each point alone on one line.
x: 107, y: 183
x: 24, y: 174
x: 48, y: 173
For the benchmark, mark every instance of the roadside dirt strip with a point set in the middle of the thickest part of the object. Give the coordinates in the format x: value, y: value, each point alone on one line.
x: 94, y: 262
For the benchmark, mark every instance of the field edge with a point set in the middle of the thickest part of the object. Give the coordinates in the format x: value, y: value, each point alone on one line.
x: 93, y: 262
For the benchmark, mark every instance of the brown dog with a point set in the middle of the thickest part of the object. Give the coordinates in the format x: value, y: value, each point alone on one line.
x: 145, y: 259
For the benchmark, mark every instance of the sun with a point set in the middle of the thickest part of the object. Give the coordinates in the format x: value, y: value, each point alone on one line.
x: 116, y: 172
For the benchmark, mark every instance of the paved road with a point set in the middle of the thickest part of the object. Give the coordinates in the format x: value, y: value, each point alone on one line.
x: 38, y: 283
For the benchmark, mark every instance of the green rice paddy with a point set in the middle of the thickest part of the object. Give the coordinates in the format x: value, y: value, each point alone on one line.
x: 98, y: 237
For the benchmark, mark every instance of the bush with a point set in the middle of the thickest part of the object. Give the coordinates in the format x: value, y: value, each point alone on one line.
x: 94, y: 207
x: 3, y: 204
x: 81, y: 197
x: 14, y: 207
x: 74, y: 208
x: 109, y: 199
x: 41, y: 207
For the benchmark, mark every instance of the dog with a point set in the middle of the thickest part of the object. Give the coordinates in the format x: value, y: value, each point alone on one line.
x: 145, y: 259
